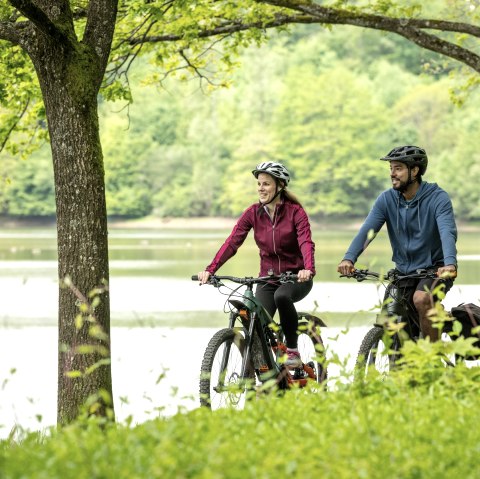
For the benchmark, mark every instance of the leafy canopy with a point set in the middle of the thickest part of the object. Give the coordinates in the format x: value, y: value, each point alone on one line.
x: 201, y: 38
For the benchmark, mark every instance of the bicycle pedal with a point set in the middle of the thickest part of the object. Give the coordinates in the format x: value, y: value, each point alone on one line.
x: 298, y: 373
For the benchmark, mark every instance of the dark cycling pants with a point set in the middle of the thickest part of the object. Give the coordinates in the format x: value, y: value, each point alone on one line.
x: 407, y: 288
x: 275, y: 296
x: 430, y: 285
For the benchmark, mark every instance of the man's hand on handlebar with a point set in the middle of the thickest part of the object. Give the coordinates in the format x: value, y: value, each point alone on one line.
x: 447, y: 271
x: 203, y: 277
x: 346, y: 267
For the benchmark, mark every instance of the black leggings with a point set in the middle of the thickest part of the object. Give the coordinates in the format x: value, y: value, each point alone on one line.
x: 275, y: 296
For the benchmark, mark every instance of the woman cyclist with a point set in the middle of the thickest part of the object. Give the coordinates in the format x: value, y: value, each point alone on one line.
x: 283, y: 235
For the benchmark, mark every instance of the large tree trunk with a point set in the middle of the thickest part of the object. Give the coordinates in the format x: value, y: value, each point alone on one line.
x: 67, y: 79
x: 70, y: 73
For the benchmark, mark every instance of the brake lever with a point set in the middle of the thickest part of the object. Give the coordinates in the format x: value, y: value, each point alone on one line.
x: 216, y: 283
x: 357, y: 275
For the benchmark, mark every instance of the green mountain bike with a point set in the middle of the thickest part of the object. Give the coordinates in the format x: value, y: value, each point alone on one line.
x: 248, y: 355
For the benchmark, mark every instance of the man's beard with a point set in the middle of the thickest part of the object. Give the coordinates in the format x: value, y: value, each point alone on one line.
x: 402, y: 186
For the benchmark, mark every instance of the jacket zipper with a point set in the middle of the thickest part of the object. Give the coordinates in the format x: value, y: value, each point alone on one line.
x: 274, y: 223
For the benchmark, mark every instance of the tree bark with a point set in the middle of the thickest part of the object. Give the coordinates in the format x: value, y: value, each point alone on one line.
x: 70, y: 74
x: 71, y: 106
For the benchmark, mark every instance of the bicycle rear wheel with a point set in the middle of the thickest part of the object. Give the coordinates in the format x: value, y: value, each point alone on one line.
x: 373, y: 352
x: 221, y: 381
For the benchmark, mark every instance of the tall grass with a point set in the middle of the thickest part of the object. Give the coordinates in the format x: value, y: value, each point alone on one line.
x: 419, y: 422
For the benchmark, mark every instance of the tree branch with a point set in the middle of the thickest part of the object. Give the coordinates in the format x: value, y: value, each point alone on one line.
x: 310, y: 12
x: 335, y: 16
x: 227, y: 28
x: 101, y: 20
x: 406, y: 27
x: 436, y: 44
x: 13, y: 126
x: 42, y: 21
x: 123, y: 63
x: 443, y: 25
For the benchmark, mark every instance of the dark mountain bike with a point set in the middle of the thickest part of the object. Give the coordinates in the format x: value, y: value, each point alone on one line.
x: 247, y: 356
x: 397, y: 321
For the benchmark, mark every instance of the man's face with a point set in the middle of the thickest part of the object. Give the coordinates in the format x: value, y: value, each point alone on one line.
x: 399, y: 175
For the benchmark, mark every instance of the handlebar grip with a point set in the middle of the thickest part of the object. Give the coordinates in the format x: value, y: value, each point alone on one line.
x: 195, y: 277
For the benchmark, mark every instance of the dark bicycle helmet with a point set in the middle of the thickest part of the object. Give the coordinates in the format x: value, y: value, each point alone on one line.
x: 277, y: 170
x: 410, y: 155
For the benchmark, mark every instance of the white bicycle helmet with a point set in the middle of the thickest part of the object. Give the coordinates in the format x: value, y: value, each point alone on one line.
x: 277, y: 170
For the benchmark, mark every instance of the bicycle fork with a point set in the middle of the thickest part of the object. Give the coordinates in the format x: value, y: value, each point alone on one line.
x: 249, y: 328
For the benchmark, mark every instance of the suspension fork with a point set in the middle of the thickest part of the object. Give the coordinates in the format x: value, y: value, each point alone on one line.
x: 226, y: 353
x: 249, y: 342
x: 396, y: 310
x: 401, y: 309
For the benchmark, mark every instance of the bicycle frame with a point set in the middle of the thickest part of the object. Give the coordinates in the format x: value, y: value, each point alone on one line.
x: 255, y: 321
x: 261, y: 345
x: 397, y: 300
x: 397, y: 307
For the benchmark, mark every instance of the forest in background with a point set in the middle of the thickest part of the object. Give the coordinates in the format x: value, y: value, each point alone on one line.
x: 326, y: 103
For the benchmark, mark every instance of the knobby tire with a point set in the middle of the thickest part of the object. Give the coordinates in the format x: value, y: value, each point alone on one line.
x: 371, y: 353
x: 225, y: 389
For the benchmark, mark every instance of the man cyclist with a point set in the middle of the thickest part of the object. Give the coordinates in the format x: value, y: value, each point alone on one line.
x: 421, y: 228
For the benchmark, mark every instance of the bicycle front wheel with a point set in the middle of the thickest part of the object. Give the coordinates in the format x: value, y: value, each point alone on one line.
x: 221, y: 381
x: 374, y: 352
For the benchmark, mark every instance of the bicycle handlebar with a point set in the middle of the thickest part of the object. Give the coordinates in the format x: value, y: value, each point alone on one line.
x: 283, y: 278
x: 392, y: 275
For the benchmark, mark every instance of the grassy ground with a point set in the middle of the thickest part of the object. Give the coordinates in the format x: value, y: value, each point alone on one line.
x: 419, y: 422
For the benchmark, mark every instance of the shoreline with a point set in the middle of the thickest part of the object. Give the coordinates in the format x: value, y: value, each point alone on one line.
x: 151, y: 222
x: 211, y: 223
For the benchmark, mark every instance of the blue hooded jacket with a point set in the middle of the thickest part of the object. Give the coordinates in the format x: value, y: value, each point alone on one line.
x: 422, y: 231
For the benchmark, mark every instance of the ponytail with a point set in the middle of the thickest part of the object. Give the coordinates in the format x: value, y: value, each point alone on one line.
x: 286, y: 193
x: 291, y: 197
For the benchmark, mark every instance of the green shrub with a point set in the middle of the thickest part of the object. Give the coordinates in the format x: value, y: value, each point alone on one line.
x: 419, y: 422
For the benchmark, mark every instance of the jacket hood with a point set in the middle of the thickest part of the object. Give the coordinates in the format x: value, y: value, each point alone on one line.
x: 424, y: 190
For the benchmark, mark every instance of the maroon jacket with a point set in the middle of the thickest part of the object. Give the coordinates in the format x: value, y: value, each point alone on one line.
x: 285, y: 244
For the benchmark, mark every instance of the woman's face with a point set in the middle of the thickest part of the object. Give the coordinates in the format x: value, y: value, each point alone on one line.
x: 266, y: 187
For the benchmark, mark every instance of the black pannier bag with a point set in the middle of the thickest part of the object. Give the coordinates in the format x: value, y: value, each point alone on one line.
x: 469, y: 316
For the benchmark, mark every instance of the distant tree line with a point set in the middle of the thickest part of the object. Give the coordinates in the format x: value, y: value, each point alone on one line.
x: 327, y: 104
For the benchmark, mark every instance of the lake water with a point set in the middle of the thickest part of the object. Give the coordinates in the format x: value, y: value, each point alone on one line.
x: 152, y: 302
x: 140, y: 355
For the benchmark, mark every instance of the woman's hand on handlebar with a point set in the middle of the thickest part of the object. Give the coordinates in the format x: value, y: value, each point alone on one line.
x: 304, y: 275
x: 346, y: 267
x: 203, y: 276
